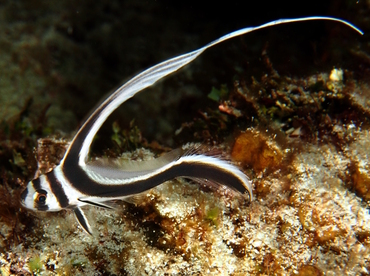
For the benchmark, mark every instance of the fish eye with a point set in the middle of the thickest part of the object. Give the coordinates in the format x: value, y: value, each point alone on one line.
x: 40, y: 197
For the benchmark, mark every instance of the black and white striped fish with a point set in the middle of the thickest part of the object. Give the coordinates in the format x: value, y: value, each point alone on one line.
x: 76, y: 182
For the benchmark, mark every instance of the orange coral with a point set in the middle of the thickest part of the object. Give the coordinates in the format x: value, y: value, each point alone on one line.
x: 361, y: 183
x: 253, y: 149
x: 309, y: 270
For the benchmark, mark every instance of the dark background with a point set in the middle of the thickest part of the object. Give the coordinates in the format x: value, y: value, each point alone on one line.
x: 95, y: 46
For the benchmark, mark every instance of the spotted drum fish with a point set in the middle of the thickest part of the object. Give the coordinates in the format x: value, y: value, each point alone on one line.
x: 75, y: 182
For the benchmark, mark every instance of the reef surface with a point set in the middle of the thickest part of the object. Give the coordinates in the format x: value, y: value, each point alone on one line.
x: 294, y: 116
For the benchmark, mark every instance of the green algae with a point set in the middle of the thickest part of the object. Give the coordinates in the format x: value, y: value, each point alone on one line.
x: 213, y: 215
x: 218, y: 94
x: 36, y: 265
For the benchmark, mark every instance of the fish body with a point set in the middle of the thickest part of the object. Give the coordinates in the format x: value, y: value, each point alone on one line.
x: 76, y: 182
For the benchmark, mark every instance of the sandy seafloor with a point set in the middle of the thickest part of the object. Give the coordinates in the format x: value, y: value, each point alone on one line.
x: 297, y: 127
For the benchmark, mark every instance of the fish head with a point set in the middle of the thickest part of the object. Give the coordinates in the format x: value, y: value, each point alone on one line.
x: 38, y: 196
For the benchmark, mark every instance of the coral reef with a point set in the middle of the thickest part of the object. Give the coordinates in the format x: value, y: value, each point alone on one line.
x: 302, y: 137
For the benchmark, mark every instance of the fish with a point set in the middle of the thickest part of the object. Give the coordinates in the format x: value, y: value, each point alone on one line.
x: 76, y: 181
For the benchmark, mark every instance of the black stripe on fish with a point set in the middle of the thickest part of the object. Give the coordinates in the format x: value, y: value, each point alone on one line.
x: 36, y: 184
x: 57, y: 189
x: 73, y: 153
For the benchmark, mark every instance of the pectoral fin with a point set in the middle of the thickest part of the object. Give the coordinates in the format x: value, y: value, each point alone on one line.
x: 106, y: 205
x: 82, y: 220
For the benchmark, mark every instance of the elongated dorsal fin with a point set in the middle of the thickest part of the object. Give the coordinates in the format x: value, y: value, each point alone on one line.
x: 79, y: 148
